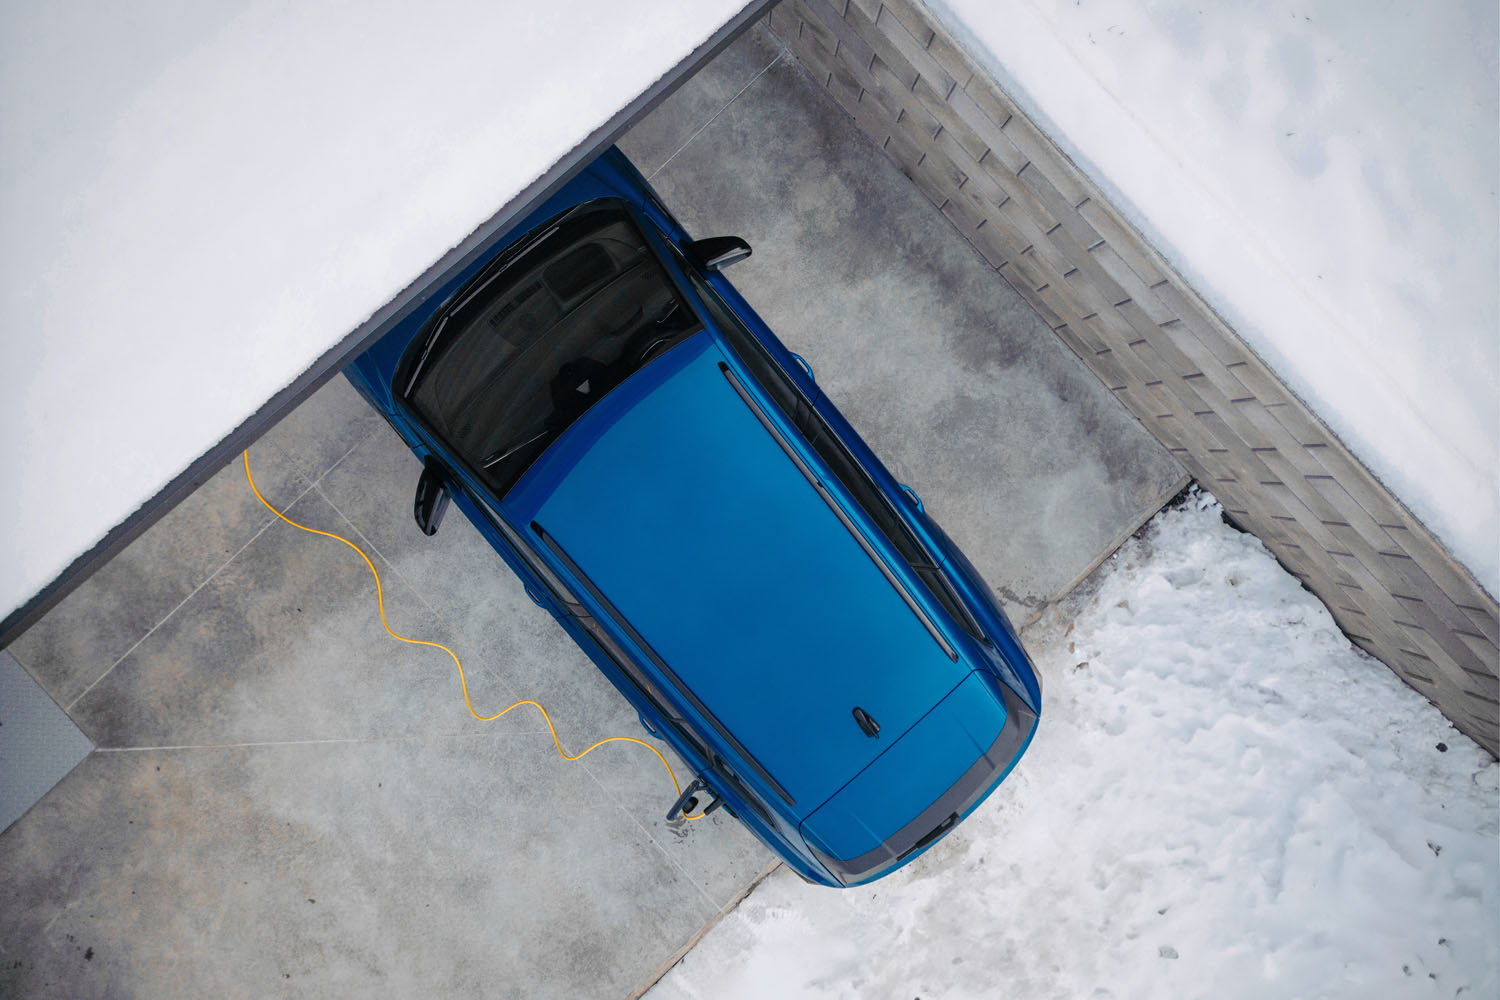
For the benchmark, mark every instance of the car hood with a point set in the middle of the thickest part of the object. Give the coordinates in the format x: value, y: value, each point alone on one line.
x: 685, y: 512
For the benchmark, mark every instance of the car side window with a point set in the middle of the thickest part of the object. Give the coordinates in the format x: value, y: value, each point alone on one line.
x: 831, y: 449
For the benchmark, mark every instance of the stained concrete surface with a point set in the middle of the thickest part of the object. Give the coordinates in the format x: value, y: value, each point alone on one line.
x: 441, y: 866
x: 287, y: 802
x: 266, y: 745
x: 956, y: 383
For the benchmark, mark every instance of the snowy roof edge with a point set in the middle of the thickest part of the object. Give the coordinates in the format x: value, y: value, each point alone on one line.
x: 378, y: 323
x: 1407, y: 471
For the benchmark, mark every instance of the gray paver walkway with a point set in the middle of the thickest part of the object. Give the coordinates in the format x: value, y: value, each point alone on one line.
x: 286, y: 802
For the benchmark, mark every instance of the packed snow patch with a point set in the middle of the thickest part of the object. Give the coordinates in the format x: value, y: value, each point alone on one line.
x: 1224, y: 798
x: 199, y: 199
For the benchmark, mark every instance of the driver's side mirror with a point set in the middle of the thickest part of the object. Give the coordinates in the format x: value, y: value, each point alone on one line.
x: 716, y: 252
x: 432, y: 498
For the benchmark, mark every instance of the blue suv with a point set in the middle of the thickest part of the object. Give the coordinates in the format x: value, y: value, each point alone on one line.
x: 668, y: 481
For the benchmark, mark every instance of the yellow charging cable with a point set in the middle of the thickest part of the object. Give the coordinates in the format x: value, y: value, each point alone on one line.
x: 462, y: 680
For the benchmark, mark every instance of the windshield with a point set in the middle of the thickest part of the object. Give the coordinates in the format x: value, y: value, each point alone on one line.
x: 541, y: 336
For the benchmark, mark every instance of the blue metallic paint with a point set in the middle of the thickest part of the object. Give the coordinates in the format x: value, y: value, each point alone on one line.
x: 693, y: 523
x: 878, y: 800
x: 707, y: 538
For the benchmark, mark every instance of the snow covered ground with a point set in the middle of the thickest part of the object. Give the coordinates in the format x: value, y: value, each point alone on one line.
x: 1225, y: 799
x: 1325, y: 174
x: 199, y: 199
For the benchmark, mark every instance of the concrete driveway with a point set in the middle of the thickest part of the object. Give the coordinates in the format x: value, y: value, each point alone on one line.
x: 283, y: 801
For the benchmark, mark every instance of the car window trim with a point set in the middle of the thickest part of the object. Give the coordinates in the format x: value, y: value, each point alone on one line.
x: 966, y: 619
x: 517, y: 541
x: 403, y: 404
x: 643, y: 684
x: 838, y: 510
x: 929, y: 571
x: 951, y: 601
x: 579, y: 611
x: 466, y: 293
x: 483, y: 280
x: 555, y: 547
x: 638, y: 680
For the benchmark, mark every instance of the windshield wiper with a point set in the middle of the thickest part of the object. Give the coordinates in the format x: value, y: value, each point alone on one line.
x: 505, y: 453
x: 505, y: 262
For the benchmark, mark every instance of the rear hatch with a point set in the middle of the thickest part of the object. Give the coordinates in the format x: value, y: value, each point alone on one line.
x: 694, y: 523
x: 924, y: 783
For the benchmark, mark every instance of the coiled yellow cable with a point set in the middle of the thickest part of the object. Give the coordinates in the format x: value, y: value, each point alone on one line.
x: 462, y: 680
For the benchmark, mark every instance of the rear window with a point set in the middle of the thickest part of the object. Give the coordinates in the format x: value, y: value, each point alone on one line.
x: 540, y: 336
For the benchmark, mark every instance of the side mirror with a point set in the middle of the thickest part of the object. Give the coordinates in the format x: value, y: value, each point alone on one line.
x: 716, y: 252
x: 432, y: 498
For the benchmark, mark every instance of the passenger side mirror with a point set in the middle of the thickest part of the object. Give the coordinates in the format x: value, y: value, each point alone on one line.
x: 432, y: 498
x: 716, y: 252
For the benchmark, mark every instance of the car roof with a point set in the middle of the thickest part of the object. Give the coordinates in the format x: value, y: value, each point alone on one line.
x: 685, y: 512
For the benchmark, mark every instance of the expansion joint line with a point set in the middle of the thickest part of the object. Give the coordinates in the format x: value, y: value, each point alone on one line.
x: 462, y: 679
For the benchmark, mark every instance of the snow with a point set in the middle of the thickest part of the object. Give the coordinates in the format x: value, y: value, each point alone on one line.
x: 199, y: 199
x: 1224, y: 799
x: 1325, y: 175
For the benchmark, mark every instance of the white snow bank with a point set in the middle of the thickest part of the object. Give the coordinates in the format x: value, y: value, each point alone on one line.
x: 201, y: 198
x: 1224, y: 799
x: 1325, y: 174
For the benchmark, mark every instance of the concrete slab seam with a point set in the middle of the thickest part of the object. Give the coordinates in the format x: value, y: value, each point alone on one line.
x: 1162, y: 330
x: 618, y: 804
x: 335, y: 741
x: 441, y: 614
x: 1114, y: 545
x: 340, y: 460
x: 764, y: 70
x: 178, y: 607
x: 391, y: 568
x: 692, y: 942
